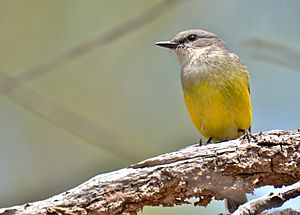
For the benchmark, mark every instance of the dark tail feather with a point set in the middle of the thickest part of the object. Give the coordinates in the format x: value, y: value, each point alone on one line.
x: 233, y: 203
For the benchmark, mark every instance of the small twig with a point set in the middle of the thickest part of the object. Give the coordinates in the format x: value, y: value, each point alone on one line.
x: 272, y: 200
x: 288, y: 211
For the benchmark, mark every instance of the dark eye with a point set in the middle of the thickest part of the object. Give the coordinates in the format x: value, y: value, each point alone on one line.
x: 192, y: 37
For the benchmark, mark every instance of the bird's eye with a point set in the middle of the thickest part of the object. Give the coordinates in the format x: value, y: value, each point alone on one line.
x: 192, y: 37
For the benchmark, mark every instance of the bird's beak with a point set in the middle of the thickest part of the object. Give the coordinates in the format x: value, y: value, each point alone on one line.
x: 167, y: 44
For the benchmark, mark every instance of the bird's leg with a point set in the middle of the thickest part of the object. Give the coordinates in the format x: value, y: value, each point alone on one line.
x: 200, y: 142
x: 246, y: 134
x: 209, y: 140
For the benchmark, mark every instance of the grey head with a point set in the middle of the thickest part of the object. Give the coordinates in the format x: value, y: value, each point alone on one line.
x: 188, y: 42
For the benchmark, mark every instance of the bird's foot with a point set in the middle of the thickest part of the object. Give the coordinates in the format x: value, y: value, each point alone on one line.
x: 200, y: 142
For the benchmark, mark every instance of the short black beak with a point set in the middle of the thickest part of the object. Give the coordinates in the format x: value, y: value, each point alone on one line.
x: 167, y: 44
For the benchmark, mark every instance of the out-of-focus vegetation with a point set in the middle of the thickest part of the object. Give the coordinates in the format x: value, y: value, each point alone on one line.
x: 120, y: 101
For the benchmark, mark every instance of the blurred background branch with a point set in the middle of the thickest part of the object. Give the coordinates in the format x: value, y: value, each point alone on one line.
x: 8, y: 83
x: 79, y: 126
x: 68, y: 120
x: 274, y: 53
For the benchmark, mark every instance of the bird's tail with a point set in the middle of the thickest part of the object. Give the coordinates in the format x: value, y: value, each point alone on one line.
x: 233, y: 203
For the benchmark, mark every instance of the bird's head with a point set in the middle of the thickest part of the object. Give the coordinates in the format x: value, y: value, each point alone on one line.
x: 188, y: 42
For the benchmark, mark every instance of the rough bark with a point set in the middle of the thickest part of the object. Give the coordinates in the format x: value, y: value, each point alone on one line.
x: 205, y: 172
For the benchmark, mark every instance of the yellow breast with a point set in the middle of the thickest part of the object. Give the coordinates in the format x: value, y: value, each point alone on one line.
x: 219, y: 104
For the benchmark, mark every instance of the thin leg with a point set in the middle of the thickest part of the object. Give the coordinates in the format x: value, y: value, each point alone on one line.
x: 246, y: 135
x: 209, y: 140
x: 200, y: 142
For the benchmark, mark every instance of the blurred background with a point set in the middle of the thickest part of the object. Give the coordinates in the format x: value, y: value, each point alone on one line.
x: 84, y: 90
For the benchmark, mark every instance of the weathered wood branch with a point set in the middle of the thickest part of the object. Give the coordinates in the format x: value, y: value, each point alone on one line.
x: 205, y: 172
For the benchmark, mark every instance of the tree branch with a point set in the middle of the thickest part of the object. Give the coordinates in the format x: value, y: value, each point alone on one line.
x: 205, y: 172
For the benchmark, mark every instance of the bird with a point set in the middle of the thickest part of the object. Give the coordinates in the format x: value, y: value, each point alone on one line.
x: 216, y: 90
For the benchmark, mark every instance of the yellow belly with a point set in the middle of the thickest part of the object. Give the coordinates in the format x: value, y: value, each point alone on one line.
x: 219, y: 110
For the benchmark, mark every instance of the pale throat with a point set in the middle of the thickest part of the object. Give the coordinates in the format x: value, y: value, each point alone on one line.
x: 189, y: 55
